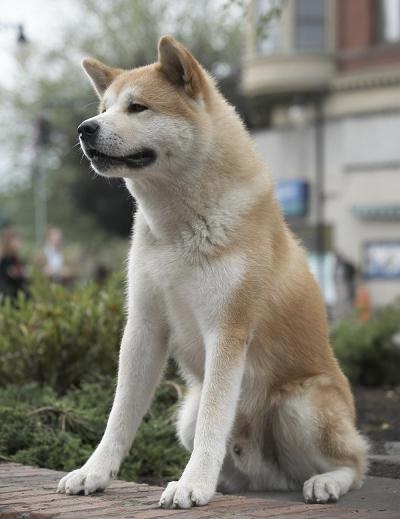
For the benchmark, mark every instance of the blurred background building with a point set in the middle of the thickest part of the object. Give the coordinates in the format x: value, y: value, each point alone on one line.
x: 323, y: 91
x: 316, y: 81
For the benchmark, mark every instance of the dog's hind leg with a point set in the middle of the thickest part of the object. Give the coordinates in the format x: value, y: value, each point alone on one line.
x: 318, y: 444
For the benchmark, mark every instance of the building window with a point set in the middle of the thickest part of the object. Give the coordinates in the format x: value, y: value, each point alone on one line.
x: 310, y: 25
x: 268, y: 26
x: 389, y: 21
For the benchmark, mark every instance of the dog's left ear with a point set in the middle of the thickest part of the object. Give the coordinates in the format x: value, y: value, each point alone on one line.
x: 180, y: 66
x: 101, y: 76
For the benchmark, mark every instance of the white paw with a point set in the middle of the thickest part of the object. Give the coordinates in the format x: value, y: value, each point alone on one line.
x: 84, y: 481
x: 321, y: 489
x: 180, y: 494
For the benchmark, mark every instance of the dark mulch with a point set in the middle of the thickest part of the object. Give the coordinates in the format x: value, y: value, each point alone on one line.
x: 378, y: 413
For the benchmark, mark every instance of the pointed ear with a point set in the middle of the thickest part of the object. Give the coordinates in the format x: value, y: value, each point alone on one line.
x: 180, y: 66
x: 100, y: 75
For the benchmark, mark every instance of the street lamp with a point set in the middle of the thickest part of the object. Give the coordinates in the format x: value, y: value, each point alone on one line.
x: 18, y: 28
x: 21, y: 38
x: 42, y: 135
x: 41, y: 139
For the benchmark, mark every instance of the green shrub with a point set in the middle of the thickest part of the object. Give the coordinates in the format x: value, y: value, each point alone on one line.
x: 59, y: 337
x: 58, y: 362
x: 367, y: 351
x: 41, y: 428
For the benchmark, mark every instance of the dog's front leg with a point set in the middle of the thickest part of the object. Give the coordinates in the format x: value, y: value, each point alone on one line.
x: 142, y: 357
x: 225, y: 360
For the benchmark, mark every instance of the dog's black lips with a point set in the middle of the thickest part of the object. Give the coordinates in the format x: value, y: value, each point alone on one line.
x: 142, y: 158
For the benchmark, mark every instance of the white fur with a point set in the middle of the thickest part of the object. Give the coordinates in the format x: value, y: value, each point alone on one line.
x: 165, y: 289
x: 179, y: 287
x: 142, y: 357
x: 328, y: 487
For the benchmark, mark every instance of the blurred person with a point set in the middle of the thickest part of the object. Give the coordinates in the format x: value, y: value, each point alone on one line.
x: 54, y: 262
x: 101, y: 274
x: 346, y: 272
x: 363, y: 303
x: 13, y: 276
x: 345, y: 281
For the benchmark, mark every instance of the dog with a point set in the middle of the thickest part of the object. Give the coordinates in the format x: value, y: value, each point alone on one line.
x: 217, y: 280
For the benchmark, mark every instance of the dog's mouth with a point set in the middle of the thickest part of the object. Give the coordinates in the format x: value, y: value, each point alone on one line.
x: 140, y: 159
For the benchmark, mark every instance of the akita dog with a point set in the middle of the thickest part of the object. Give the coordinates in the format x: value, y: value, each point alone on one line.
x: 218, y: 281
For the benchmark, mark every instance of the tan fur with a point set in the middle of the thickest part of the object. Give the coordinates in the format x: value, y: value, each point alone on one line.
x: 262, y: 333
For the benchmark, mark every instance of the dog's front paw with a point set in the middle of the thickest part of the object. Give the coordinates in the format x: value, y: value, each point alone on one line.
x: 181, y: 494
x: 84, y: 481
x: 321, y: 489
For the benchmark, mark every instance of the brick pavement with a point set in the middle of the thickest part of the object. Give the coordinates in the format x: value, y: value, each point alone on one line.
x: 29, y: 493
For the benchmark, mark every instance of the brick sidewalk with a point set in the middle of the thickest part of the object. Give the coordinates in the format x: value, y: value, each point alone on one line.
x: 29, y: 493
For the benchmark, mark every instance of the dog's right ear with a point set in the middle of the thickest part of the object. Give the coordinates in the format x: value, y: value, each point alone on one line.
x: 101, y: 76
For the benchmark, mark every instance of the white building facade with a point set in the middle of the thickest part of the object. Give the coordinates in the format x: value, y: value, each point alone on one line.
x: 324, y: 96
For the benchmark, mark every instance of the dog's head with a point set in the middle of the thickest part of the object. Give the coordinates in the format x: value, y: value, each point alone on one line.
x: 152, y: 119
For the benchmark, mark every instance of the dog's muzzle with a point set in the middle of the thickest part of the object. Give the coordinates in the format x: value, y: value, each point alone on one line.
x: 88, y: 132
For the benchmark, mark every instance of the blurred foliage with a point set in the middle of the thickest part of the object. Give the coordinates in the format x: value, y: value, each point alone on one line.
x: 51, y: 85
x: 369, y: 353
x: 59, y: 337
x: 58, y: 356
x: 58, y: 362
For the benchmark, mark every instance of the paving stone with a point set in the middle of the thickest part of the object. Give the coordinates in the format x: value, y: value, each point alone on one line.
x: 30, y: 493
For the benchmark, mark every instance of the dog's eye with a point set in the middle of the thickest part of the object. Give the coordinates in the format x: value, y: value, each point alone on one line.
x: 135, y: 108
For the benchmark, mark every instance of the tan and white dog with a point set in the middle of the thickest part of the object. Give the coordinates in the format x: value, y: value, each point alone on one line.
x: 216, y: 280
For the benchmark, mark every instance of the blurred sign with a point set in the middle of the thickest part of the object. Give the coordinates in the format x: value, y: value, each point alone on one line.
x: 293, y: 195
x: 381, y: 259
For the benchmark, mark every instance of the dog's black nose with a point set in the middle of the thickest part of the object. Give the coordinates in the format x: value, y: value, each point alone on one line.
x: 88, y: 130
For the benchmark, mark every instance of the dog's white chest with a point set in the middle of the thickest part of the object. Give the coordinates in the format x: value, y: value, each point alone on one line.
x: 195, y: 295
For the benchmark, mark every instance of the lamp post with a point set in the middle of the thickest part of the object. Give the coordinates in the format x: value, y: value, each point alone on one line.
x: 21, y: 38
x: 320, y: 188
x: 18, y: 28
x: 41, y: 140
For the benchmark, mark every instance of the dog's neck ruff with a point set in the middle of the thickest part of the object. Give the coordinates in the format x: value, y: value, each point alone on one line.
x: 200, y: 219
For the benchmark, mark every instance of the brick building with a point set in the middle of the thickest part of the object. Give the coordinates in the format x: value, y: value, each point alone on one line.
x: 322, y: 82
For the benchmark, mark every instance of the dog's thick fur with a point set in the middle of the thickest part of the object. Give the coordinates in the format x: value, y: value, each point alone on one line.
x: 217, y: 280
